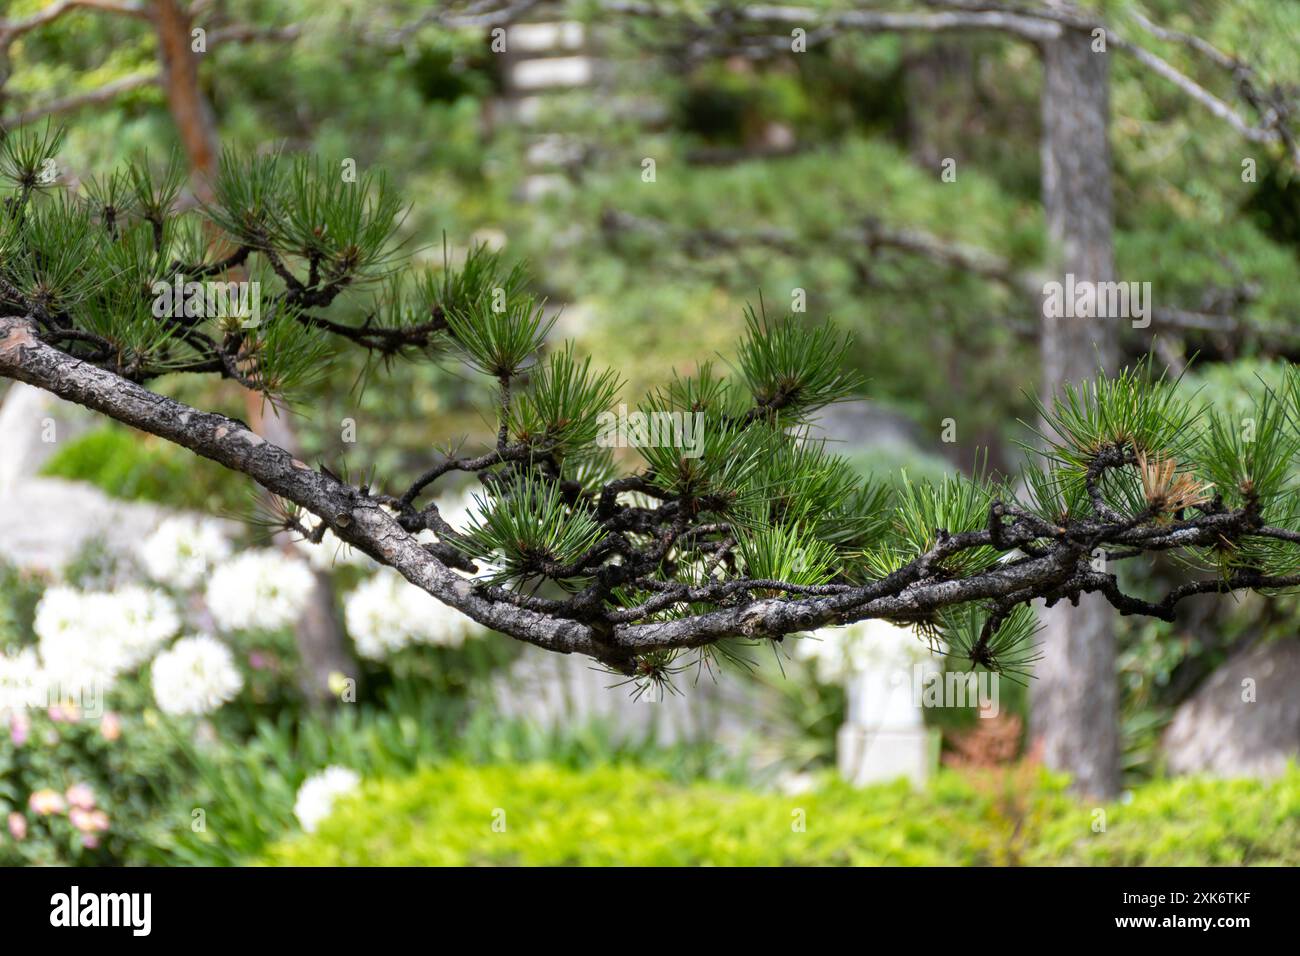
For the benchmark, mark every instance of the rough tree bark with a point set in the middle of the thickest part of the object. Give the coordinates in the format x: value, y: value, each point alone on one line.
x: 322, y: 645
x: 1075, y: 706
x: 1054, y: 565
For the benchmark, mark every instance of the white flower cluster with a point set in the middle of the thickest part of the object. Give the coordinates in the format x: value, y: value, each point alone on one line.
x: 195, y: 676
x: 259, y: 590
x: 387, y: 613
x: 318, y: 792
x: 838, y: 652
x: 86, y: 639
x: 183, y: 550
x: 22, y: 681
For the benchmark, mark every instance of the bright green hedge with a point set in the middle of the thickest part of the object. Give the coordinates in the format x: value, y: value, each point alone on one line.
x: 626, y: 816
x: 133, y: 466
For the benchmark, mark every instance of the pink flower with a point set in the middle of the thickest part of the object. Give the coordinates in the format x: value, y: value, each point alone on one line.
x: 257, y: 661
x: 17, y: 826
x: 90, y: 841
x: 61, y: 713
x: 19, y: 728
x: 46, y: 802
x: 88, y: 821
x: 110, y: 727
x: 81, y: 795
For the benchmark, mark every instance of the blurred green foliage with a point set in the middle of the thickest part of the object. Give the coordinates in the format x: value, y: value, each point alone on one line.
x: 248, y: 791
x: 128, y: 464
x: 869, y: 115
x: 129, y: 758
x: 626, y: 816
x: 19, y: 593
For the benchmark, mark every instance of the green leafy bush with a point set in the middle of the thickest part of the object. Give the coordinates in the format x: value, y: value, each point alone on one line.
x: 100, y: 789
x: 1183, y: 822
x: 620, y: 815
x: 19, y: 592
x: 134, y: 466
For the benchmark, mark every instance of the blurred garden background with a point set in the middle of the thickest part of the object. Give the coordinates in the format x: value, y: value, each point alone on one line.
x: 657, y: 175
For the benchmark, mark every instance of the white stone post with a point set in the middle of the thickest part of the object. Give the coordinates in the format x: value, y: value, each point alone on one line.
x: 884, y: 736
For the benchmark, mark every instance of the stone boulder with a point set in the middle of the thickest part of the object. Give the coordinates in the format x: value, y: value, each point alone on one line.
x: 33, y: 424
x: 1244, y: 721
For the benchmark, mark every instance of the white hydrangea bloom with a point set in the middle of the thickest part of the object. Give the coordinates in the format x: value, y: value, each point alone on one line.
x: 386, y: 613
x: 146, y: 617
x: 22, y: 681
x: 183, y: 550
x: 195, y: 676
x: 259, y: 590
x: 318, y: 792
x: 87, y: 639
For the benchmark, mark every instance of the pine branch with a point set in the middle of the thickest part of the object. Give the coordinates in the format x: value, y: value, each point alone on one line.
x: 735, y: 525
x: 75, y: 101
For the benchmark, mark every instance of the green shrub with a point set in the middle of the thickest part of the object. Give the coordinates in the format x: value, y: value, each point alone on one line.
x: 19, y: 593
x: 620, y: 815
x: 127, y: 464
x: 1183, y: 822
x: 128, y: 761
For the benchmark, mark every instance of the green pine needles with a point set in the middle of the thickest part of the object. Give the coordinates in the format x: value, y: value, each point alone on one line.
x: 530, y: 534
x: 706, y: 518
x: 792, y: 371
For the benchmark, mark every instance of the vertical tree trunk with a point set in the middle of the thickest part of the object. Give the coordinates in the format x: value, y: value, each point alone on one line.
x: 937, y: 81
x: 322, y: 647
x: 1075, y: 704
x: 185, y: 100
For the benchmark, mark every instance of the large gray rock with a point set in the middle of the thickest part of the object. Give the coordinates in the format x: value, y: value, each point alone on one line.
x: 1244, y: 721
x: 46, y: 522
x: 33, y: 425
x: 862, y: 423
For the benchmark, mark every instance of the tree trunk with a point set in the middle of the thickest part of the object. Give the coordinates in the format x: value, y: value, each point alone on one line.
x: 934, y: 80
x: 1075, y: 703
x: 189, y: 108
x: 322, y: 647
